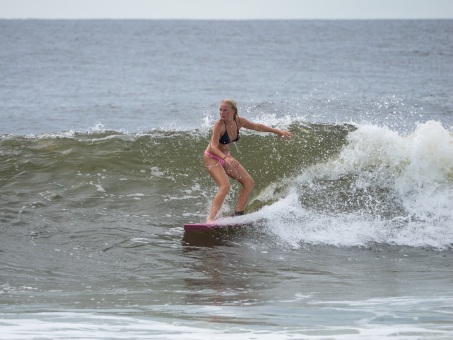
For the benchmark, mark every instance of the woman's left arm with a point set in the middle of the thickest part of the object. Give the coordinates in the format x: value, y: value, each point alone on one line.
x: 264, y: 128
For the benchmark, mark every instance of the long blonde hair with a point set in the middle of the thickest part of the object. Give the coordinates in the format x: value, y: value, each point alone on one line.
x: 233, y: 105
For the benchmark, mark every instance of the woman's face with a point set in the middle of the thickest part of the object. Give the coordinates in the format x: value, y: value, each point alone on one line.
x: 226, y: 111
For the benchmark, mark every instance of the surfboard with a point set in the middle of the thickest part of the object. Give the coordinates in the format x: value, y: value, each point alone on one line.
x: 214, y: 225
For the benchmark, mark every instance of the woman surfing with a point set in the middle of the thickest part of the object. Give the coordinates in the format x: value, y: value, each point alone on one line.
x: 218, y: 160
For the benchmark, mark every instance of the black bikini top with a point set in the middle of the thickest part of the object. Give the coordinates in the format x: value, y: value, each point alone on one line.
x: 225, y: 139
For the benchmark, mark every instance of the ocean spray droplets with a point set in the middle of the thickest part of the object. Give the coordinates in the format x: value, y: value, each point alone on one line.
x: 383, y: 187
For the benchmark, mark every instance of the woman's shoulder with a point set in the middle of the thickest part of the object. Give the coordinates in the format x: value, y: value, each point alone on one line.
x: 243, y: 122
x: 219, y: 125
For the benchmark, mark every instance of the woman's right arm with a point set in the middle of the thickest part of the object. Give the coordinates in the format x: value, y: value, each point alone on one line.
x: 215, y: 137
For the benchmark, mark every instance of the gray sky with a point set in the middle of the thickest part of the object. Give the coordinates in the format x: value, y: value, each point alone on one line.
x: 226, y: 9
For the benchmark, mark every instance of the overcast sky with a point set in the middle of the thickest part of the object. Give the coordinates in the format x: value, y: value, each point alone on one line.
x: 227, y: 9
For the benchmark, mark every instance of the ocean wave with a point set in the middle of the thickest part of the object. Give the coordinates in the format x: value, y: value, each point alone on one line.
x: 382, y: 187
x: 336, y: 184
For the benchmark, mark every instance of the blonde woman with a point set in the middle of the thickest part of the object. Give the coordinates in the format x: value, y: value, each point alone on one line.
x: 219, y: 162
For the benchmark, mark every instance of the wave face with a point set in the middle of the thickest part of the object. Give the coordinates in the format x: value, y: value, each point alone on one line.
x: 334, y: 184
x: 382, y: 187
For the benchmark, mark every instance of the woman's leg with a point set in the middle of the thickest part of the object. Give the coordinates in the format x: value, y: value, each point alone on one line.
x: 219, y: 175
x: 247, y: 182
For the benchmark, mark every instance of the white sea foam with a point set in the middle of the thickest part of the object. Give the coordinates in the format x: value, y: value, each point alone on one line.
x: 417, y: 168
x: 84, y: 325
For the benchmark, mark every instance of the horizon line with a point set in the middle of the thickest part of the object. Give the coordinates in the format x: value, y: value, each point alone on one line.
x: 225, y: 19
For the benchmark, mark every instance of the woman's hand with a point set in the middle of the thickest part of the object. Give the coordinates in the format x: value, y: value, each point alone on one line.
x: 285, y: 134
x: 232, y: 162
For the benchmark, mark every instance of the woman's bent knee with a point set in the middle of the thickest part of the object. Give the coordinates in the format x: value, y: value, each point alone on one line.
x: 249, y: 184
x: 225, y: 188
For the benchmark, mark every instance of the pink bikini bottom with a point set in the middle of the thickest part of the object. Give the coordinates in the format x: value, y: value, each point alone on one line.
x: 222, y: 161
